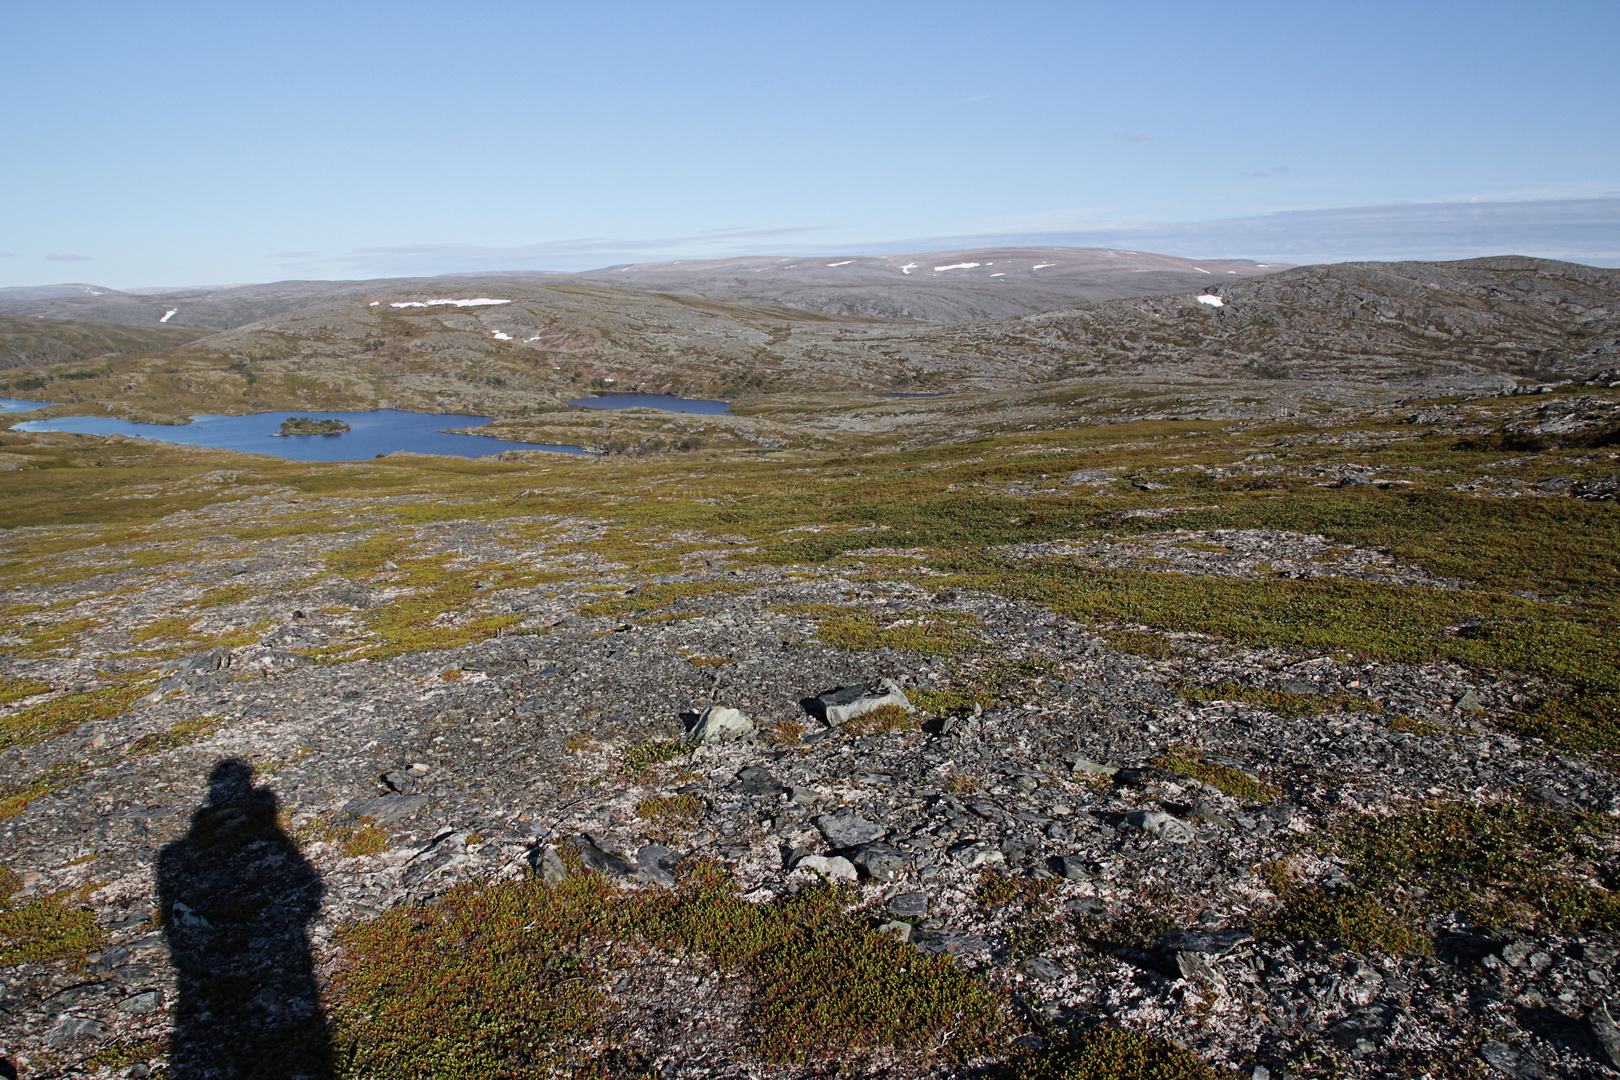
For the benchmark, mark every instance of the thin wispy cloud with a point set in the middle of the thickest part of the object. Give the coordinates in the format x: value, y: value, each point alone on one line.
x: 1575, y: 230
x: 294, y: 254
x: 1135, y: 136
x: 69, y: 258
x: 1579, y: 230
x: 580, y: 253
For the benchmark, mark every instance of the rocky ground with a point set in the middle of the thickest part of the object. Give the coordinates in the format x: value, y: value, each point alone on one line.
x: 497, y: 676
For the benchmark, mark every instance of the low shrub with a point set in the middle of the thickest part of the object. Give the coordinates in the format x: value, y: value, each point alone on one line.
x: 507, y: 979
x: 1114, y: 1053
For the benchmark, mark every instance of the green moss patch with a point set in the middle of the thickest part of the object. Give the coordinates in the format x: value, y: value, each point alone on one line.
x: 15, y: 689
x: 641, y: 756
x: 45, y: 928
x: 883, y: 719
x: 1350, y: 917
x: 1240, y: 785
x: 1506, y: 865
x: 182, y: 733
x: 652, y: 597
x: 672, y: 809
x: 493, y: 982
x: 1114, y: 1053
x: 933, y: 634
x: 508, y: 979
x: 1585, y: 721
x: 67, y: 711
x: 949, y: 702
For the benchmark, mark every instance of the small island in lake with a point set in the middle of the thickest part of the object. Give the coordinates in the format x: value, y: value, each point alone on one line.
x: 303, y: 425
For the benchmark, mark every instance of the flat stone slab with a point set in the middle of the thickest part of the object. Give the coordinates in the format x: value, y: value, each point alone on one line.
x: 383, y: 809
x: 835, y: 707
x: 848, y: 830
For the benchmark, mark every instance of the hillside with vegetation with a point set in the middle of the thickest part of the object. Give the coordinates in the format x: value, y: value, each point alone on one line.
x: 1190, y: 690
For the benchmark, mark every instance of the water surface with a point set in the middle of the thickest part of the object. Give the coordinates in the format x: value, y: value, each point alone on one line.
x: 667, y: 402
x: 11, y: 404
x: 379, y: 431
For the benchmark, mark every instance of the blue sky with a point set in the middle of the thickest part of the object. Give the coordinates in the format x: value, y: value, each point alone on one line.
x: 174, y: 143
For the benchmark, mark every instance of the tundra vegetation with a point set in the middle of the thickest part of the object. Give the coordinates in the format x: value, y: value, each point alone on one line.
x: 1340, y: 686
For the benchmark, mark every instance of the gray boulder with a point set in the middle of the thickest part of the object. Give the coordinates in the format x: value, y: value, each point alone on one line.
x: 847, y: 830
x: 831, y: 867
x: 757, y: 780
x: 720, y: 724
x: 1162, y: 826
x: 382, y: 809
x: 547, y: 861
x: 878, y: 861
x: 654, y: 860
x: 1605, y: 1033
x: 595, y: 857
x: 836, y: 707
x: 911, y: 905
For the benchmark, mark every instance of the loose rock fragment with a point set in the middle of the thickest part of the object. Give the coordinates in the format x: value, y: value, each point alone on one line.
x: 595, y: 857
x: 835, y: 707
x: 548, y: 862
x: 720, y: 724
x: 832, y: 867
x: 847, y: 829
x: 382, y: 809
x: 652, y: 859
x: 878, y: 861
x: 1605, y: 1033
x: 909, y: 905
x: 758, y: 781
x: 1205, y: 942
x: 1157, y: 823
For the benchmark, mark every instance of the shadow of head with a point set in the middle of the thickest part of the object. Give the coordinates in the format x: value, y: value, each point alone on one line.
x: 236, y: 813
x: 231, y: 781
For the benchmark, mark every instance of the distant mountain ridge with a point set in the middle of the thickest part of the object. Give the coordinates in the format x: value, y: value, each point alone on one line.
x: 939, y: 286
x: 506, y: 344
x: 936, y: 286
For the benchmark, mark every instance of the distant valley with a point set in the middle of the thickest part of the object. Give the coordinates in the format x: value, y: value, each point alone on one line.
x: 1233, y: 341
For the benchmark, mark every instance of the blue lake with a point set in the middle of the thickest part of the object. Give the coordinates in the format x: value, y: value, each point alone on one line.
x: 380, y: 431
x: 11, y: 404
x: 667, y: 402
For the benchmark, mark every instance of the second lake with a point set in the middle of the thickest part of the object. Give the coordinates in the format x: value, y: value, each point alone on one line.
x: 666, y: 402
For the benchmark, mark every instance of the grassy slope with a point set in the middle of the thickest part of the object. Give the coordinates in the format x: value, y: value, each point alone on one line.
x: 956, y: 503
x: 38, y: 342
x: 68, y: 514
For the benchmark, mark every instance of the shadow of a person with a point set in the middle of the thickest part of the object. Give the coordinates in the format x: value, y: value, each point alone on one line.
x: 236, y: 898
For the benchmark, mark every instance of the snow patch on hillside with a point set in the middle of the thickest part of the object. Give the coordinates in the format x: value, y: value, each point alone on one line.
x: 482, y: 301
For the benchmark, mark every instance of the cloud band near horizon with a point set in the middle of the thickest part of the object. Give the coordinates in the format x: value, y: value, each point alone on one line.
x: 1575, y: 230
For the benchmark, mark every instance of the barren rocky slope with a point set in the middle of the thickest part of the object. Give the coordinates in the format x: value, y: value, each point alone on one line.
x: 939, y: 286
x: 935, y: 286
x: 209, y: 308
x: 1274, y: 345
x: 1280, y: 748
x: 42, y: 342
